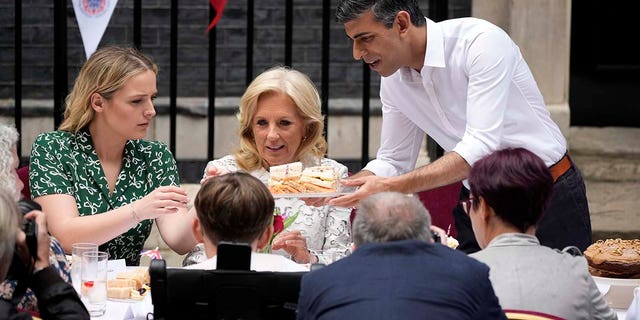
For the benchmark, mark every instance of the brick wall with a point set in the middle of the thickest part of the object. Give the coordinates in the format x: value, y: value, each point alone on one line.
x: 345, y: 74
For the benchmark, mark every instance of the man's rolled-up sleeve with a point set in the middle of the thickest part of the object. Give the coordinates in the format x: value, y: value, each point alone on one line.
x: 400, y: 141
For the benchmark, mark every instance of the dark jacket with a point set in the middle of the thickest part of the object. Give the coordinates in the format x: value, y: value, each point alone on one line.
x: 400, y: 280
x: 56, y: 299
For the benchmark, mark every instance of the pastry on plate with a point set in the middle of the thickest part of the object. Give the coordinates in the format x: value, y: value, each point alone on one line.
x: 614, y: 258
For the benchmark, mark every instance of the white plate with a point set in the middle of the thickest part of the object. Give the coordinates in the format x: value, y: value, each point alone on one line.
x: 125, y: 300
x: 343, y: 191
x: 617, y: 281
x: 619, y: 293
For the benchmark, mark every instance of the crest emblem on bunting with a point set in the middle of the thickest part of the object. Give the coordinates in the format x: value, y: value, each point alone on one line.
x: 93, y: 17
x: 94, y: 8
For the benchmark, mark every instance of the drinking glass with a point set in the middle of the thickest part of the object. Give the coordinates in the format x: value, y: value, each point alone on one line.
x: 77, y: 249
x: 94, y: 282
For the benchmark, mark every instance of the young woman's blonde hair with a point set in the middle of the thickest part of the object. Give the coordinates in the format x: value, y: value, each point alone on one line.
x: 9, y: 224
x: 303, y: 93
x: 106, y: 71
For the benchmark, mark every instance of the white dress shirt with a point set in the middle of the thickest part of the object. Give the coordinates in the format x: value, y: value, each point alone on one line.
x: 259, y: 262
x: 475, y: 94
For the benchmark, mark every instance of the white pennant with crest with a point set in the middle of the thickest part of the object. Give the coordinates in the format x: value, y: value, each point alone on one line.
x: 93, y: 17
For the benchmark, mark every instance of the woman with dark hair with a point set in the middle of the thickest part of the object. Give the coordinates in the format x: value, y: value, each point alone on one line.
x: 510, y: 189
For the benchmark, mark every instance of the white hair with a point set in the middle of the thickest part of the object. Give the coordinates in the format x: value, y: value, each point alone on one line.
x: 8, y: 140
x: 9, y: 224
x: 391, y: 216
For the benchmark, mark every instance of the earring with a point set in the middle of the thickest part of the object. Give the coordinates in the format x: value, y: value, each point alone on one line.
x: 304, y: 138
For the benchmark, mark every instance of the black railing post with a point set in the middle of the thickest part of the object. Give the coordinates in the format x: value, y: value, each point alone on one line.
x: 137, y: 24
x: 17, y: 72
x: 211, y: 88
x: 288, y: 32
x: 249, y: 54
x: 173, y: 76
x: 438, y: 11
x: 326, y: 18
x: 60, y: 81
x: 366, y: 113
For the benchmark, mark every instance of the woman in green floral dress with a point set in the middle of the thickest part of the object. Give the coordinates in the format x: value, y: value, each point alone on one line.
x: 95, y: 177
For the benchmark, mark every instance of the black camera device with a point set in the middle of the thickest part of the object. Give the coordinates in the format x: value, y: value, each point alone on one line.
x: 18, y: 270
x: 30, y: 227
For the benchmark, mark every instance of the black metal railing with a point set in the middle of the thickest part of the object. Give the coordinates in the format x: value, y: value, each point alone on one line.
x: 438, y: 10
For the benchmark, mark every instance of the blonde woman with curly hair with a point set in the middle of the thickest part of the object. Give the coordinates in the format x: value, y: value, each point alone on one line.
x: 11, y: 186
x: 281, y: 122
x: 96, y: 177
x: 9, y: 162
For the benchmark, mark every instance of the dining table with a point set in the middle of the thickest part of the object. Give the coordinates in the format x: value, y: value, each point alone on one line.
x: 125, y: 309
x: 140, y: 309
x: 620, y: 295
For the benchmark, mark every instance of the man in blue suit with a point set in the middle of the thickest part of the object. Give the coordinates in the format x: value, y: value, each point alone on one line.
x: 397, y: 272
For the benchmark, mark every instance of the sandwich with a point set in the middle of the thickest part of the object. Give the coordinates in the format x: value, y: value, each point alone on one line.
x: 286, y: 178
x: 319, y: 179
x: 129, y: 284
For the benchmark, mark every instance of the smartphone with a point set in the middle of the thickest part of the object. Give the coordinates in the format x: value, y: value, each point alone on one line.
x: 233, y: 256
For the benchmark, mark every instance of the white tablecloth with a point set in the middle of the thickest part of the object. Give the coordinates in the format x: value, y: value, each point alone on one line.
x: 127, y: 310
x: 604, y: 285
x: 118, y: 310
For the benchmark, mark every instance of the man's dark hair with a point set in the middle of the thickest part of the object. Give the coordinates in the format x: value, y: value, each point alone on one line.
x: 234, y: 207
x: 383, y: 10
x: 515, y: 183
x: 391, y: 216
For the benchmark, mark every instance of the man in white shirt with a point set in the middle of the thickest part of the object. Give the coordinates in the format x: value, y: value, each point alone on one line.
x: 237, y: 207
x: 465, y: 83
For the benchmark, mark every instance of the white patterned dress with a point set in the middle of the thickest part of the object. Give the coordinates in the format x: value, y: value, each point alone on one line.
x: 326, y: 227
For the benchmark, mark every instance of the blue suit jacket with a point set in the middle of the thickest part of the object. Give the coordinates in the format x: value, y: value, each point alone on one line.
x: 400, y: 280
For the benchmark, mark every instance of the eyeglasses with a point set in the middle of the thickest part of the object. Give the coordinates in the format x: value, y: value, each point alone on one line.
x: 467, y: 204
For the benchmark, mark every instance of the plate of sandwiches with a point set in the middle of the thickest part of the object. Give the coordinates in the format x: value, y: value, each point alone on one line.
x: 291, y: 180
x: 129, y: 286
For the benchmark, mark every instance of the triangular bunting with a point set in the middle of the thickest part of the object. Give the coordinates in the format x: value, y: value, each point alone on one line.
x: 218, y: 5
x: 93, y: 17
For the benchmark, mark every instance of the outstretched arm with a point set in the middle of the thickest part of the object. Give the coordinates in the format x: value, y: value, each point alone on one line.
x: 446, y: 170
x: 69, y: 227
x: 175, y: 230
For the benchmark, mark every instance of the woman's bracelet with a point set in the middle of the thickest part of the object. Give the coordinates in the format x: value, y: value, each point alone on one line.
x: 312, y: 257
x: 134, y: 215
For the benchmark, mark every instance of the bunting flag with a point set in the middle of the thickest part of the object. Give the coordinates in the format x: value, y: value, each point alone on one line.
x: 217, y: 5
x: 153, y: 254
x: 93, y: 17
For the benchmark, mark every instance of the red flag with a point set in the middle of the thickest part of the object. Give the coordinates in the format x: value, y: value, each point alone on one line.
x: 218, y: 5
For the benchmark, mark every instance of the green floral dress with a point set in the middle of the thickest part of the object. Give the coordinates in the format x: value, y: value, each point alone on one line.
x: 66, y: 163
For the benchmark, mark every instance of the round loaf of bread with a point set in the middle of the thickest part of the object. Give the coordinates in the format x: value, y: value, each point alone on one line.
x: 614, y: 258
